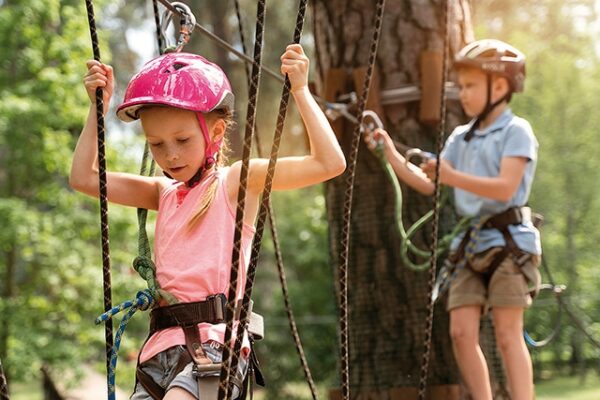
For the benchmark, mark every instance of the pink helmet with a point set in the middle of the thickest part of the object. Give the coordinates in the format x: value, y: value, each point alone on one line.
x: 181, y: 80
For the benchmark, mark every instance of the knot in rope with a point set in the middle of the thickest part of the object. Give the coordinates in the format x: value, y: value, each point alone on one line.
x: 146, y: 268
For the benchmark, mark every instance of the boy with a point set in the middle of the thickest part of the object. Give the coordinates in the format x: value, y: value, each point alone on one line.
x: 490, y: 163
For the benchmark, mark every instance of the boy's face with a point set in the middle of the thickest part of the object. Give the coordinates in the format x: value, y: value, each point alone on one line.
x: 472, y: 83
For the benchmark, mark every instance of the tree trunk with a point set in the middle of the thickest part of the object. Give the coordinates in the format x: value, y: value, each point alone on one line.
x: 387, y: 301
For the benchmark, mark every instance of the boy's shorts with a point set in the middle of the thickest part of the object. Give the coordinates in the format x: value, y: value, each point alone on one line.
x: 162, y: 366
x: 510, y: 285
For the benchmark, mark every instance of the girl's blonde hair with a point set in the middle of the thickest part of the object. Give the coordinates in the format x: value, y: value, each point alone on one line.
x: 211, y: 190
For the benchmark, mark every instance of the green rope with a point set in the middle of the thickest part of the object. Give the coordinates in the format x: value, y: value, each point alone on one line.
x: 407, y: 247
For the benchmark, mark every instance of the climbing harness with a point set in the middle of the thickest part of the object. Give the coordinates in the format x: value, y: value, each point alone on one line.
x: 267, y: 202
x: 3, y: 384
x: 103, y: 198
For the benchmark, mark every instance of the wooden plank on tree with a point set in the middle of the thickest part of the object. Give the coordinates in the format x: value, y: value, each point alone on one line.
x: 431, y: 86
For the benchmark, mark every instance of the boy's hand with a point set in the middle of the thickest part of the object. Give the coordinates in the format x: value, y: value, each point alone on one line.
x: 445, y: 170
x: 295, y: 64
x: 373, y: 138
x: 99, y: 75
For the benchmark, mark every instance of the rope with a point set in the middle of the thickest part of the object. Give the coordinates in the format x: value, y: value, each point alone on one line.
x: 350, y: 174
x: 158, y: 30
x: 229, y: 357
x: 563, y: 304
x: 267, y: 201
x: 434, y: 231
x: 108, y: 327
x: 556, y: 290
x: 143, y: 301
x: 3, y: 384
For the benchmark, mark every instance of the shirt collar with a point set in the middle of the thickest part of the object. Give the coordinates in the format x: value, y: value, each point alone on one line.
x: 497, y: 125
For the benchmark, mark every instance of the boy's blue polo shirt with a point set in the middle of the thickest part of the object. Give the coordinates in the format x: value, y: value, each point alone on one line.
x: 507, y: 136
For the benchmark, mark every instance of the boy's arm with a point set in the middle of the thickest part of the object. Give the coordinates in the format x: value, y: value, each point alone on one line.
x: 501, y: 187
x: 407, y: 172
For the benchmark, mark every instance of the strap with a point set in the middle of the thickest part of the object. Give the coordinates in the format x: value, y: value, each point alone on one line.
x: 154, y: 389
x: 212, y: 311
x: 512, y: 216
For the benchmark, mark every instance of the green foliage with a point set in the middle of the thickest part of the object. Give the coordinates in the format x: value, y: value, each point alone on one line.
x: 49, y: 259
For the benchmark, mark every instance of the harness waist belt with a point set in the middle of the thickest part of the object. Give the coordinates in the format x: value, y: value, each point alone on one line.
x: 512, y: 216
x: 212, y: 311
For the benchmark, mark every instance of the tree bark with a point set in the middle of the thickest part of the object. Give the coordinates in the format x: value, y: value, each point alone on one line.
x: 387, y: 301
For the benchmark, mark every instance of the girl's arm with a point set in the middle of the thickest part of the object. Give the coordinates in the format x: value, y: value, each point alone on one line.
x: 126, y: 189
x: 325, y: 160
x: 501, y: 187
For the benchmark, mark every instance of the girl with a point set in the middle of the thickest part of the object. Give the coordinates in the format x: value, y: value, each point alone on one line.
x: 185, y: 105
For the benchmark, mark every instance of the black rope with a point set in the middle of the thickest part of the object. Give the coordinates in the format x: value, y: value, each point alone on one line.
x: 108, y: 327
x: 3, y: 384
x: 350, y: 174
x: 269, y: 208
x: 225, y: 45
x: 229, y: 357
x: 158, y: 30
x: 435, y: 222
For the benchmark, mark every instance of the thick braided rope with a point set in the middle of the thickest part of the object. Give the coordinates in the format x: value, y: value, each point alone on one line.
x: 350, y: 173
x: 3, y: 384
x: 264, y: 211
x: 277, y: 248
x: 143, y: 301
x: 228, y: 355
x: 435, y: 223
x: 157, y: 22
x: 108, y: 328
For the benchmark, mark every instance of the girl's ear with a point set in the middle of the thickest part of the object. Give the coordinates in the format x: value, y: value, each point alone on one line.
x: 218, y: 129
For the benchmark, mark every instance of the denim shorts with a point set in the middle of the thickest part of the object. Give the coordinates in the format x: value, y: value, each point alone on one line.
x: 162, y: 366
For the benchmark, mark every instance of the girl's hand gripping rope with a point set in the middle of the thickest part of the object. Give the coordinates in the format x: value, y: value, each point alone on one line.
x: 99, y: 76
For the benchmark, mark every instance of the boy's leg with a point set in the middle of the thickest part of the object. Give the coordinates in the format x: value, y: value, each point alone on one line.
x: 508, y: 325
x: 464, y: 331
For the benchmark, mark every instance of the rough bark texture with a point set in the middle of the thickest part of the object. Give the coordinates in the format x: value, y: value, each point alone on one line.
x: 387, y: 301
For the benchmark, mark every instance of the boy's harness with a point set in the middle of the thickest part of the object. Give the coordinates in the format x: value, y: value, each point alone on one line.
x: 501, y: 222
x: 187, y: 316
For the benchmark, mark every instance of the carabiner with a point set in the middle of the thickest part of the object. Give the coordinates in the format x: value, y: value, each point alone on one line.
x: 371, y: 122
x: 423, y: 155
x: 187, y: 24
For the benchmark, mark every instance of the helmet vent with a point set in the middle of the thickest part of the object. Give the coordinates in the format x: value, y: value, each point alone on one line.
x: 488, y: 53
x: 177, y: 66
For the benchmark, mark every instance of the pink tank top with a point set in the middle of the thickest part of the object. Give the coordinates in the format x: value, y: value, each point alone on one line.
x: 192, y: 265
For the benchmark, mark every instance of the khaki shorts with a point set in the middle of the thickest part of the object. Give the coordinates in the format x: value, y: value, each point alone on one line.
x: 509, y: 286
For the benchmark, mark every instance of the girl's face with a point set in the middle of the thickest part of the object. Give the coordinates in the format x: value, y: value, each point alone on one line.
x: 175, y: 139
